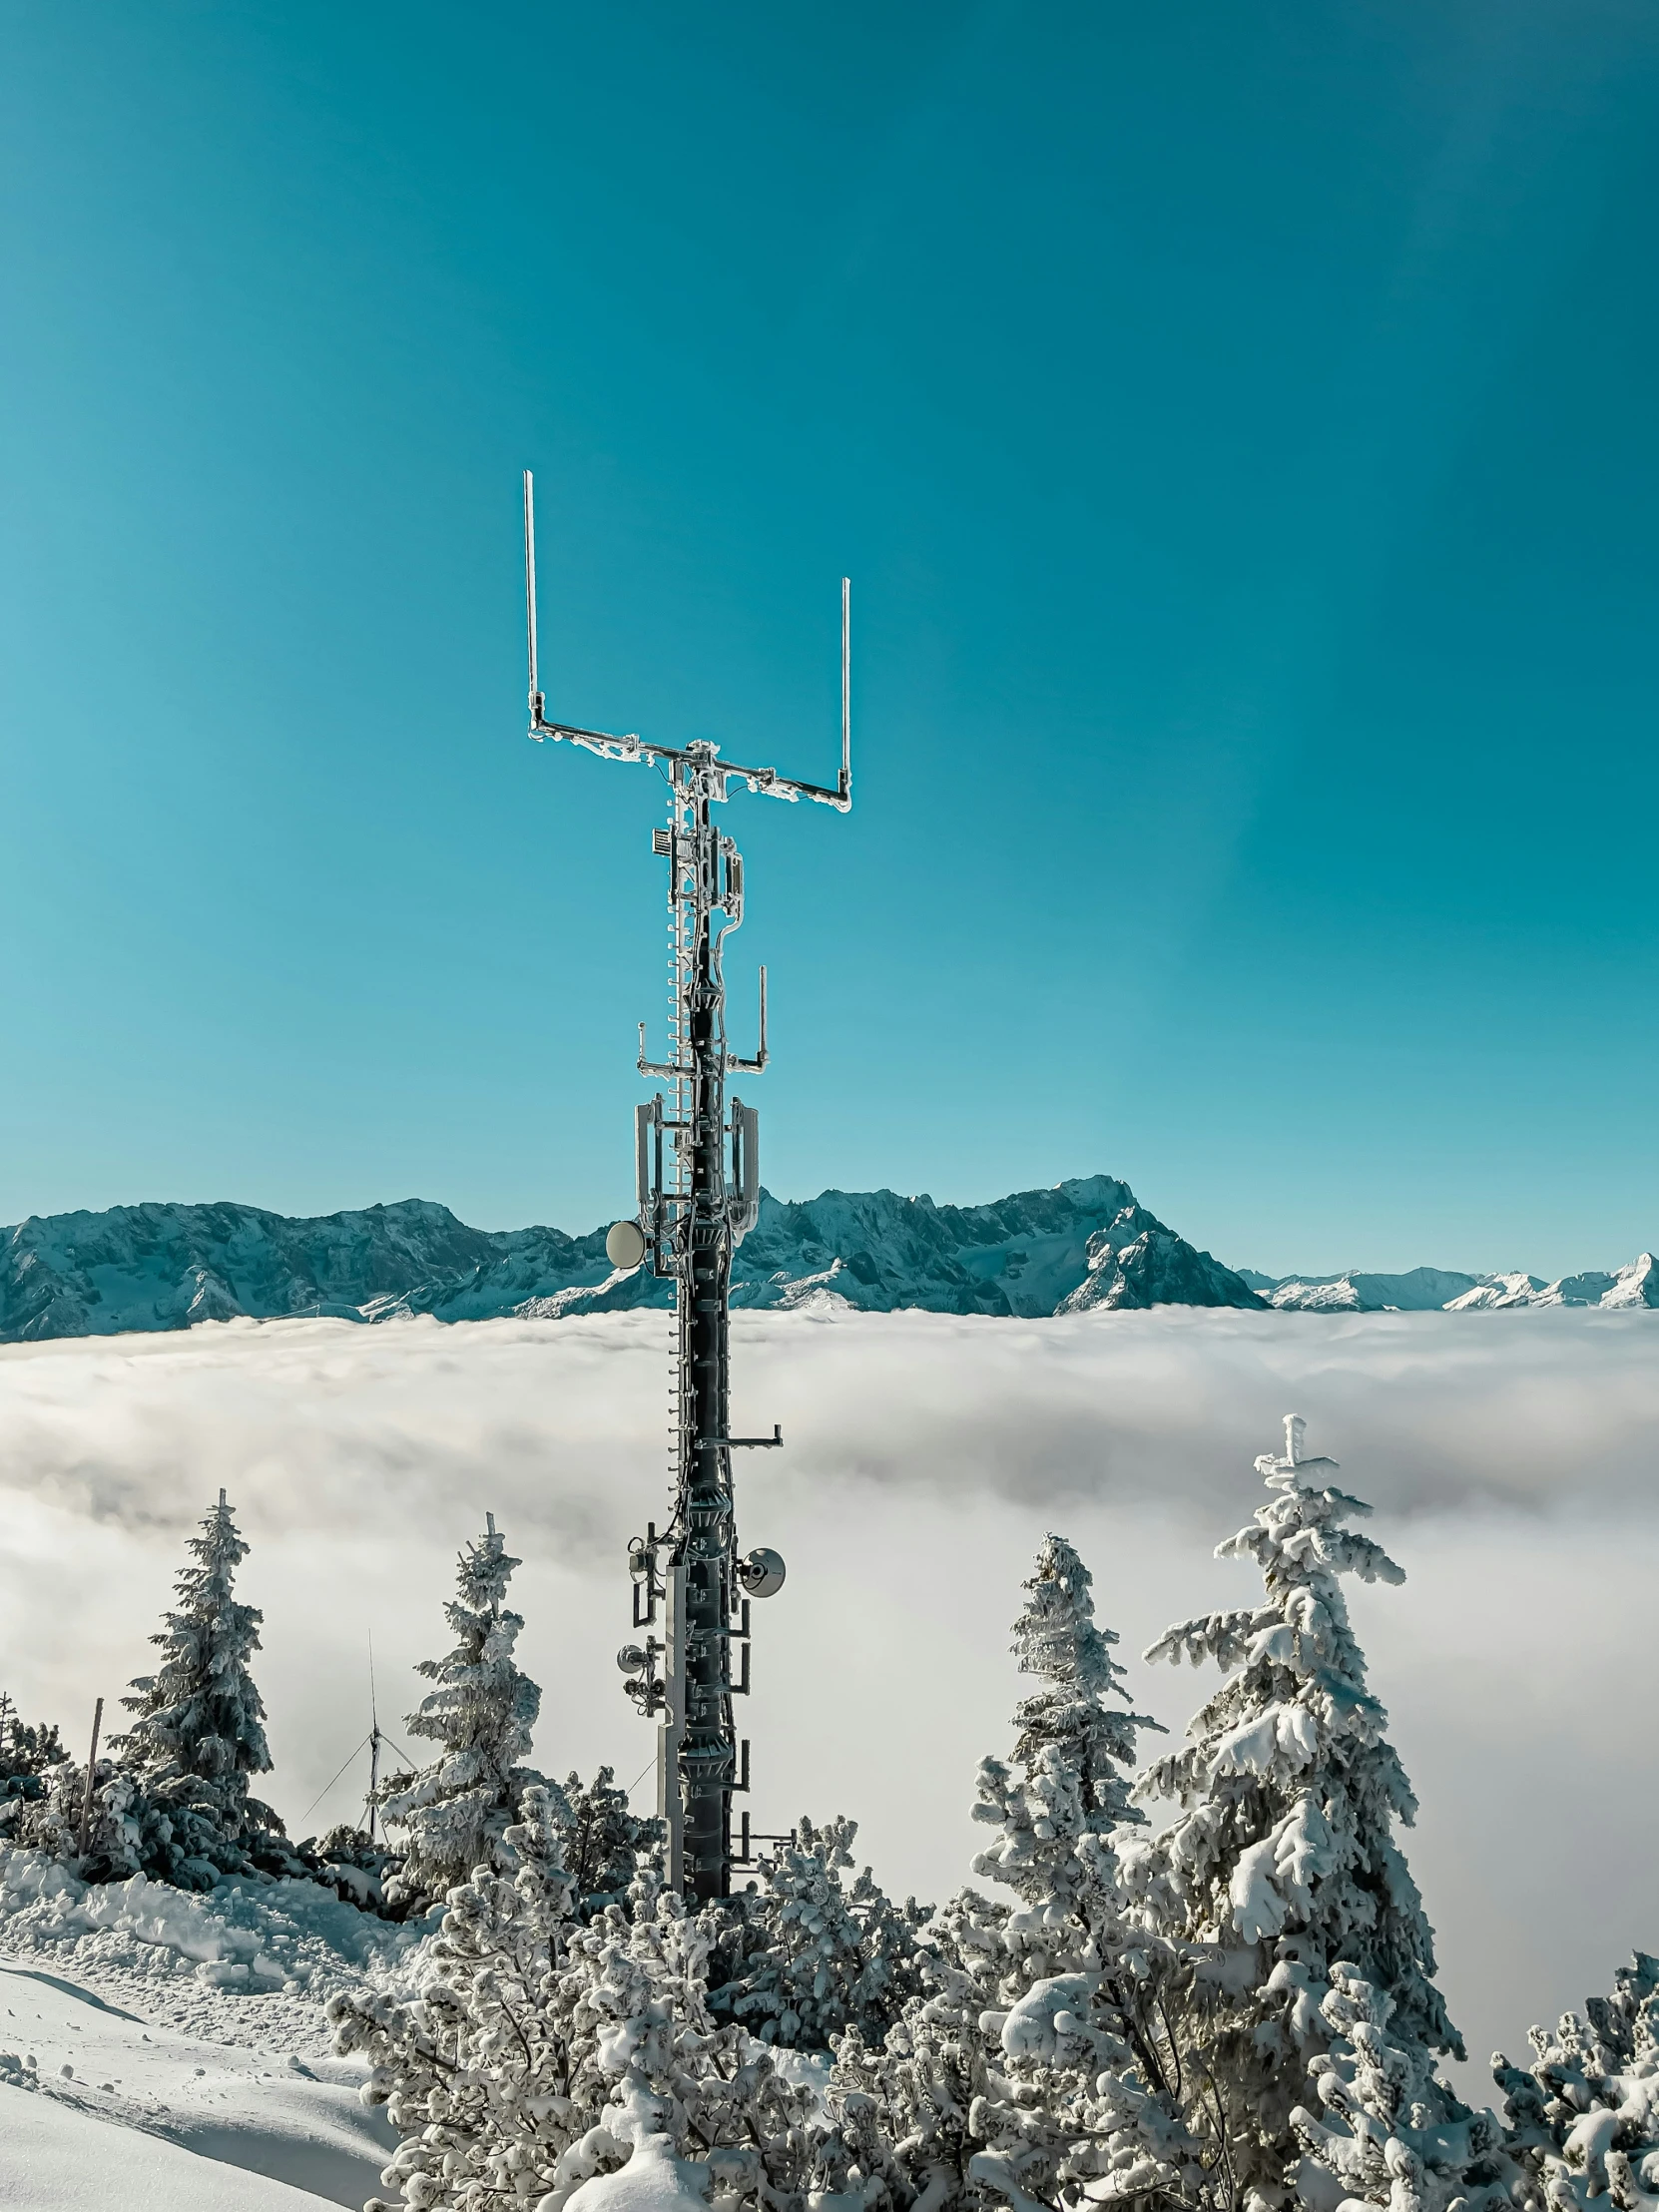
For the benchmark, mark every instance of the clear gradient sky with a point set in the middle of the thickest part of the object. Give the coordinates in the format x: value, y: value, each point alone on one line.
x: 1240, y: 425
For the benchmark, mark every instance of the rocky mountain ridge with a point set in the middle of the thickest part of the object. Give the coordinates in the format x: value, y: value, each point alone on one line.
x: 1086, y: 1242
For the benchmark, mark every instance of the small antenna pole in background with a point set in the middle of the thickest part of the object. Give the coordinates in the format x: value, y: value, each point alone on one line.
x: 92, y: 1770
x: 373, y: 1743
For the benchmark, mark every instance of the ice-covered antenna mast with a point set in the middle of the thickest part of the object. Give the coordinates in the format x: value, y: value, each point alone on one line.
x: 699, y: 1189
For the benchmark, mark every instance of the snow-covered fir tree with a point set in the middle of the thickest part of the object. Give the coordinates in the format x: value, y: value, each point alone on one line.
x: 1389, y: 2131
x: 809, y: 1955
x: 1032, y: 2073
x: 26, y: 1749
x: 28, y: 1754
x: 1078, y: 2094
x: 1056, y: 1804
x: 455, y: 1812
x: 1584, y: 2118
x: 1068, y: 1785
x: 1057, y: 1639
x: 198, y: 1732
x: 1283, y: 1860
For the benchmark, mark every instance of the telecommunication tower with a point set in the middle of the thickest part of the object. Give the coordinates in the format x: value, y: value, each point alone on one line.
x: 697, y: 1174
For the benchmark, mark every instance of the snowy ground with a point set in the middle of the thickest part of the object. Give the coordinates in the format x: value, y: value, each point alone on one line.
x: 163, y: 2049
x: 1514, y: 1460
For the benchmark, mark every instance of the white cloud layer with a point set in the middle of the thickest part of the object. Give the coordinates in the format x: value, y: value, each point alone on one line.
x: 1513, y: 1462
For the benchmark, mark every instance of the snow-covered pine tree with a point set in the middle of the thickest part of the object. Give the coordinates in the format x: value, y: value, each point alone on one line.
x: 198, y: 1733
x: 890, y: 1936
x: 603, y: 1840
x: 1283, y: 1860
x: 546, y: 2056
x: 477, y: 2076
x: 456, y: 1811
x: 922, y: 2081
x: 808, y: 1955
x: 1584, y: 2120
x: 127, y: 1832
x: 692, y: 2107
x: 355, y: 1865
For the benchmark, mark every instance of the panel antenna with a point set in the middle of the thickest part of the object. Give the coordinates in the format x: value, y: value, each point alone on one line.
x: 698, y: 1187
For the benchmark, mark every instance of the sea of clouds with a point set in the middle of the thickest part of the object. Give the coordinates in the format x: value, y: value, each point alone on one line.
x: 1514, y: 1460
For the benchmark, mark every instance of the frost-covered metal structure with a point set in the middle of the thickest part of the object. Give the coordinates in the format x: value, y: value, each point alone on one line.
x: 698, y: 1174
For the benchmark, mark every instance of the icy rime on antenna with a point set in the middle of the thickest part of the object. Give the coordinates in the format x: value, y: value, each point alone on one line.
x: 699, y: 1193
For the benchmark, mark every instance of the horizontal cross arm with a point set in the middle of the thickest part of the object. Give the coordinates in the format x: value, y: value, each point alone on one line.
x: 766, y: 780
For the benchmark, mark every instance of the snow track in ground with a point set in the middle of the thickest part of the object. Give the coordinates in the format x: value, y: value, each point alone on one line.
x: 298, y: 2121
x: 55, y: 2159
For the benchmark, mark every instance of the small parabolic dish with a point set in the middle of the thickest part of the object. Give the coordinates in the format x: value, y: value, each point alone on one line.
x: 625, y: 1243
x: 761, y: 1573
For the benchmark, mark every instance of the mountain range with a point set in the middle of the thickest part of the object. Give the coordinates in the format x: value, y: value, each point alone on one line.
x: 1426, y: 1289
x: 1085, y: 1243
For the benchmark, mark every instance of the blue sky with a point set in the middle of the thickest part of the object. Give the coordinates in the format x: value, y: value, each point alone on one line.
x: 1238, y: 424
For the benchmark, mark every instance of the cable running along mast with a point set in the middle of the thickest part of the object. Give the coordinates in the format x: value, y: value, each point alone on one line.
x: 699, y: 1183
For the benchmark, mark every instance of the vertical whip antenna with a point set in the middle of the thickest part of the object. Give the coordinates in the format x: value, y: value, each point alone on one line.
x: 847, y: 692
x: 374, y: 1742
x: 530, y: 590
